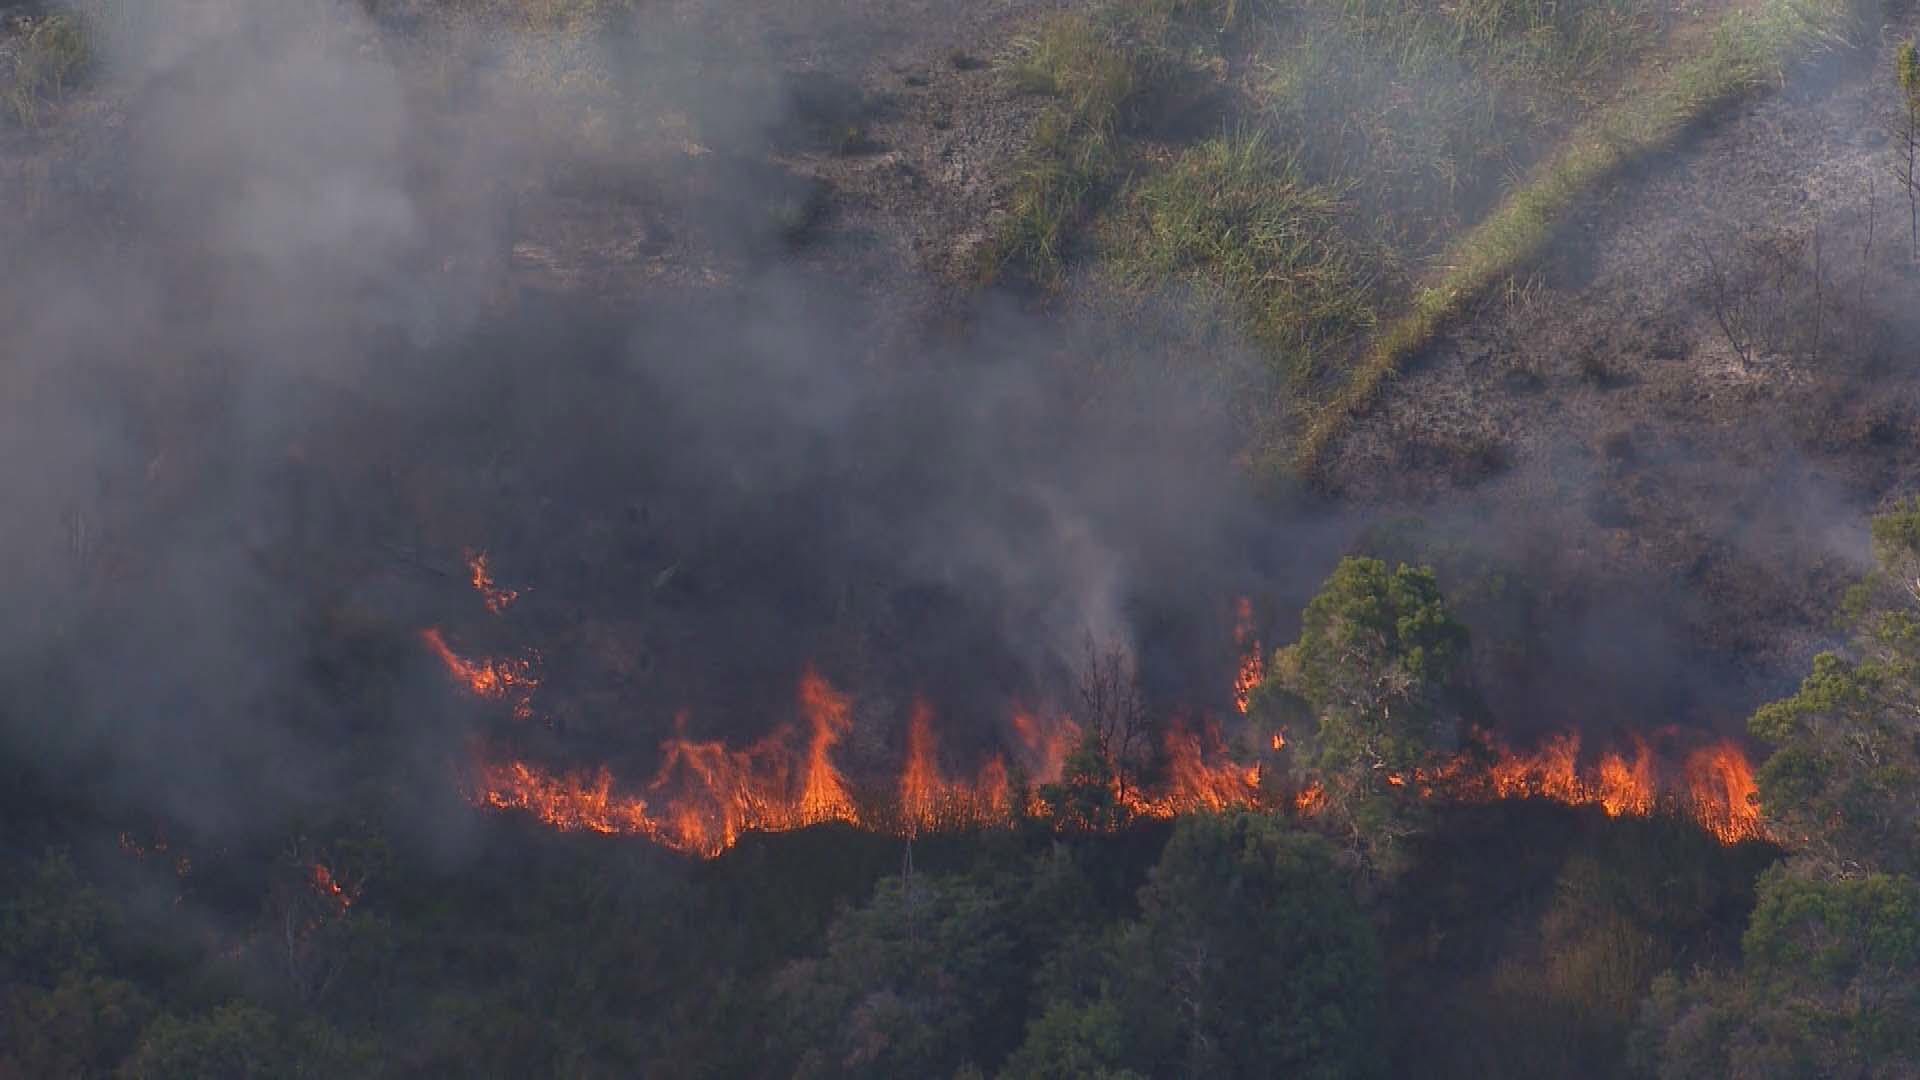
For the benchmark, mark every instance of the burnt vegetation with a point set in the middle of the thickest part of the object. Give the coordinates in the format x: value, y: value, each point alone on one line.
x: 1061, y: 538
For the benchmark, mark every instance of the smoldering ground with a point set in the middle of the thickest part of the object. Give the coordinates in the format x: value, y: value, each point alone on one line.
x: 267, y: 377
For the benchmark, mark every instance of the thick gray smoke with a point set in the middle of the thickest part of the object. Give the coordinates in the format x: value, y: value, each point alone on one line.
x: 268, y: 369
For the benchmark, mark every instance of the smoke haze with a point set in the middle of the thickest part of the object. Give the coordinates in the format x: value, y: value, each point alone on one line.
x: 269, y: 373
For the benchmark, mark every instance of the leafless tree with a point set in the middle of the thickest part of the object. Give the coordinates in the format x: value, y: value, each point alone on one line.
x: 1906, y: 134
x: 1729, y: 299
x: 1112, y: 706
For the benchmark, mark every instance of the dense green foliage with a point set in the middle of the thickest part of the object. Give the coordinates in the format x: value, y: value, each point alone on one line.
x: 1367, y: 695
x: 1219, y: 947
x: 1843, y: 782
x: 1248, y: 956
x: 1830, y: 987
x: 1830, y: 984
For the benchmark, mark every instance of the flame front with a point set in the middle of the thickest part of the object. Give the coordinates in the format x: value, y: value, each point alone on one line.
x: 1714, y: 787
x: 569, y: 802
x: 705, y: 795
x: 930, y: 802
x: 1199, y: 777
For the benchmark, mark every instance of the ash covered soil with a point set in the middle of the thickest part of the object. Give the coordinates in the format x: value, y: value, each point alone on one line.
x: 1675, y: 424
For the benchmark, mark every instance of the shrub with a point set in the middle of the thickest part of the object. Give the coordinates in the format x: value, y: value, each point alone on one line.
x: 1236, y: 217
x: 52, y: 52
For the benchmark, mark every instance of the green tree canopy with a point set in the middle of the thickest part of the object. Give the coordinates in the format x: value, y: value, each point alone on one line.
x: 1830, y: 978
x: 1249, y: 958
x: 1843, y: 782
x: 910, y: 984
x: 1830, y: 988
x: 1368, y: 694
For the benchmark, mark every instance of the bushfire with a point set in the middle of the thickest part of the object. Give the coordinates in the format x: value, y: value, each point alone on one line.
x: 488, y: 677
x: 1713, y: 784
x: 704, y: 794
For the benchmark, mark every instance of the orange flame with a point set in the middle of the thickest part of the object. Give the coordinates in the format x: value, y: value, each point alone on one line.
x: 1720, y: 784
x: 324, y: 883
x: 1047, y: 744
x: 496, y: 598
x: 930, y: 801
x: 1715, y: 786
x: 570, y: 802
x: 1310, y: 800
x: 1626, y: 789
x: 1199, y: 778
x: 708, y: 794
x: 1252, y: 667
x: 487, y: 677
x: 824, y: 797
x: 705, y: 795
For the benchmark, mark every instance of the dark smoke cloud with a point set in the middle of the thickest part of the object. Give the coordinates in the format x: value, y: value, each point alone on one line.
x: 265, y: 374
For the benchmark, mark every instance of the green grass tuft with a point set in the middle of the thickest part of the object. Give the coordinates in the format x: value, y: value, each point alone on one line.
x: 1236, y: 218
x: 1096, y: 78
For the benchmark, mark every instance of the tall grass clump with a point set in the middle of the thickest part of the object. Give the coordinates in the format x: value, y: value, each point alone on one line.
x: 1109, y: 70
x: 1096, y: 79
x: 1235, y: 219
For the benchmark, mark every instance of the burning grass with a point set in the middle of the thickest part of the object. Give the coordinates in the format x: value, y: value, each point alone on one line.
x: 705, y: 795
x: 1712, y: 784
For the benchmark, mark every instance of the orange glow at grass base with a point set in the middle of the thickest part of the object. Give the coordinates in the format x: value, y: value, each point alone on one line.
x: 705, y: 795
x: 1714, y: 787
